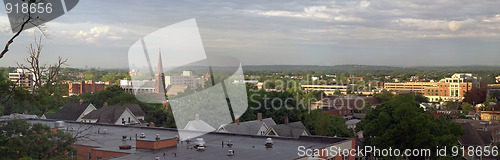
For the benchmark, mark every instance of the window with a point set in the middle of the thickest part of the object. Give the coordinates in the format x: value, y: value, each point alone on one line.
x: 123, y: 120
x: 128, y: 119
x: 90, y: 156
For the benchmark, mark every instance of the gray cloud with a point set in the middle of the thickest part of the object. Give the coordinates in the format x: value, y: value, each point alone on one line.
x: 381, y: 32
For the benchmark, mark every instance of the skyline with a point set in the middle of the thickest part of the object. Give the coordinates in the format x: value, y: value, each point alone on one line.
x: 382, y: 33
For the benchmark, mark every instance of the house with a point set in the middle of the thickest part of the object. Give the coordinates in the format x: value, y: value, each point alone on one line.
x: 255, y: 127
x: 491, y: 126
x: 351, y: 124
x: 71, y: 112
x: 199, y: 125
x: 427, y: 106
x: 130, y: 114
x: 292, y: 130
x: 475, y: 137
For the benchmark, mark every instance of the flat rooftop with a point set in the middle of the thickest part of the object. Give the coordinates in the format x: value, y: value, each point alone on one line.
x: 244, y: 146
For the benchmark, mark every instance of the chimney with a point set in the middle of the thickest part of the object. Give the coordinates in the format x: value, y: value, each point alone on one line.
x: 237, y: 121
x: 151, y: 124
x: 197, y: 117
x: 25, y: 111
x: 285, y: 120
x: 259, y: 116
x: 105, y: 104
x: 81, y: 102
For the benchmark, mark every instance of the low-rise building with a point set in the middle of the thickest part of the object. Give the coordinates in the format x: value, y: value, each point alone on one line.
x: 187, y: 79
x: 331, y: 89
x: 407, y: 87
x: 109, y: 141
x: 129, y: 114
x: 256, y: 127
x: 71, y: 112
x: 76, y: 88
x: 292, y: 130
x: 492, y: 88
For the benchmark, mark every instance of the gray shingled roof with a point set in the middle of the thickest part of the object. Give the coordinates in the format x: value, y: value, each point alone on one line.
x: 248, y: 127
x: 110, y: 114
x: 294, y: 129
x: 70, y: 111
x: 475, y: 137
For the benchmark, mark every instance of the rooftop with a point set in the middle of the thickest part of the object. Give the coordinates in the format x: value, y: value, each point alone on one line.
x: 244, y: 146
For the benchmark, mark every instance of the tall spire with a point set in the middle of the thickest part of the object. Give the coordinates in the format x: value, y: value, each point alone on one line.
x: 160, y: 65
x: 160, y: 77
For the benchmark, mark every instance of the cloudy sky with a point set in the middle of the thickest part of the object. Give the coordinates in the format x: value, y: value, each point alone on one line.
x: 260, y: 32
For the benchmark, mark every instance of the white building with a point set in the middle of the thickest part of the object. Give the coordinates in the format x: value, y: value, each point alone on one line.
x: 23, y: 78
x: 186, y: 79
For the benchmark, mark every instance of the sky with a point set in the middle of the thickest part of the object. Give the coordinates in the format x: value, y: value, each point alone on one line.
x: 380, y: 32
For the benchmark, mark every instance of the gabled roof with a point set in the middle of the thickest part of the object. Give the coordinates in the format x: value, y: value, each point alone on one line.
x: 70, y: 111
x: 110, y: 114
x: 248, y: 127
x: 475, y: 137
x: 199, y: 125
x: 294, y: 129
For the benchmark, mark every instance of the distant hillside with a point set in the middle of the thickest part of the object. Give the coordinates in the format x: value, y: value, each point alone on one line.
x: 348, y: 68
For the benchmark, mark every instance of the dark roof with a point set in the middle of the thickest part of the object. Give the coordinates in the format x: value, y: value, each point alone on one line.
x: 294, y: 129
x: 249, y: 127
x: 70, y: 111
x: 245, y: 147
x: 475, y: 137
x: 110, y: 114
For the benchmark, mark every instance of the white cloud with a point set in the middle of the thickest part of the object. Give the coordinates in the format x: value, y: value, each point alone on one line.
x: 318, y: 12
x: 456, y: 25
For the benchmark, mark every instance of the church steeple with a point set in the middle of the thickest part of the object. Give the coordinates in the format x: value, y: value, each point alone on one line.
x: 160, y: 65
x: 160, y: 76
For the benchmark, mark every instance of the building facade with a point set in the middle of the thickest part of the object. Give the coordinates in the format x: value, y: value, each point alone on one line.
x: 186, y: 79
x: 407, y: 87
x: 452, y: 89
x: 327, y: 89
x: 23, y: 78
x: 77, y: 88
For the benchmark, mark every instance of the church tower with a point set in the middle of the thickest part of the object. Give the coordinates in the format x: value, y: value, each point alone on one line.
x: 159, y: 77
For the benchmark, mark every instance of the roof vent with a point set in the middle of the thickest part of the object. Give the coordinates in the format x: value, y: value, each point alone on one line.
x: 200, y: 144
x: 125, y: 147
x: 230, y: 153
x: 59, y: 124
x: 142, y: 135
x: 157, y: 158
x: 104, y: 131
x: 124, y: 137
x: 269, y: 143
x: 229, y: 144
x: 157, y: 137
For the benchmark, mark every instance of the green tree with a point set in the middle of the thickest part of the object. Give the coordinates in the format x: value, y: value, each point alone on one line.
x: 401, y: 124
x: 467, y: 107
x: 34, y: 141
x: 384, y: 96
x: 323, y: 124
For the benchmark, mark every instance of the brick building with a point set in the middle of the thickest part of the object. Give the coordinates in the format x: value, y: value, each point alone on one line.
x: 86, y: 86
x: 452, y: 89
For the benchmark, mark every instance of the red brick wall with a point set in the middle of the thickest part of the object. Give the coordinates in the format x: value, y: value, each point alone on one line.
x: 105, y: 154
x: 83, y: 151
x: 156, y: 144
